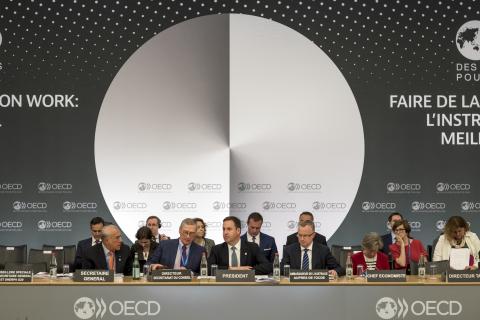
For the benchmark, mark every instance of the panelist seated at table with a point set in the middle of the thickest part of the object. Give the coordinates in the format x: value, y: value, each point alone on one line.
x: 308, y: 254
x: 144, y: 246
x: 371, y: 258
x: 96, y: 226
x: 457, y: 235
x: 237, y: 254
x: 405, y: 249
x: 181, y: 253
x: 306, y: 216
x: 110, y: 254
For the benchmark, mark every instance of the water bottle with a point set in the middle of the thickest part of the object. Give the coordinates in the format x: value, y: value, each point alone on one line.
x: 421, y: 267
x: 53, y: 266
x: 276, y: 268
x: 349, y: 266
x: 136, y: 268
x: 204, y: 266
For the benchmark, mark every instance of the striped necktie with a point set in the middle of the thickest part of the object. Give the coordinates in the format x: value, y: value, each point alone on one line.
x: 305, y: 260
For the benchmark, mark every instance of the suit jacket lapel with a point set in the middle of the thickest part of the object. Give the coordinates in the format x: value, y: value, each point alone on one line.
x: 297, y: 256
x: 243, y: 253
x: 224, y: 254
x: 101, y: 258
x: 315, y: 255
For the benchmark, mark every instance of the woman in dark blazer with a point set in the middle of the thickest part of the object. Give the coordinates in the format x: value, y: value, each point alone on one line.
x: 144, y: 246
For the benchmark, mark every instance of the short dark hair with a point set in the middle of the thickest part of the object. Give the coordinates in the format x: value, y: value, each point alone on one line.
x: 394, y: 214
x: 255, y: 216
x: 307, y: 213
x: 235, y: 220
x: 97, y: 220
x: 403, y: 223
x: 144, y: 233
x: 159, y: 222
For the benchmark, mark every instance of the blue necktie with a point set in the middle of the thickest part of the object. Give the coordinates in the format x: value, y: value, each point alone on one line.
x: 305, y: 260
x: 183, y: 261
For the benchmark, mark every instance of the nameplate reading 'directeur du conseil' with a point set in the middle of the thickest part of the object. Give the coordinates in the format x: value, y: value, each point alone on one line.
x: 16, y: 275
x: 463, y: 276
x: 309, y: 276
x: 170, y: 275
x: 93, y: 276
x: 386, y: 276
x: 235, y: 276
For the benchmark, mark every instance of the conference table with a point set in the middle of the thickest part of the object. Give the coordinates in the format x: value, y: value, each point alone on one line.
x: 126, y: 298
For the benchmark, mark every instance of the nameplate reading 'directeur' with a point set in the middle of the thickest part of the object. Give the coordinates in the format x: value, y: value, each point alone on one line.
x: 170, y: 275
x: 93, y: 276
x: 463, y: 276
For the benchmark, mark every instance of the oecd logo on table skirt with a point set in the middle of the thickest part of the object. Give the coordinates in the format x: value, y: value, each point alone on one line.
x: 387, y: 308
x: 85, y: 308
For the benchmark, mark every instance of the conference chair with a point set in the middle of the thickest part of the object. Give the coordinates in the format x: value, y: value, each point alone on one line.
x: 40, y: 259
x: 12, y: 254
x: 68, y: 253
x: 341, y: 252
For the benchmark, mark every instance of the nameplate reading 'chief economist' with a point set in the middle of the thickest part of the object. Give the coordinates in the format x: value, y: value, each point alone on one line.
x: 235, y: 276
x: 16, y: 275
x: 387, y: 276
x: 309, y: 276
x: 93, y: 276
x: 463, y: 276
x: 170, y: 275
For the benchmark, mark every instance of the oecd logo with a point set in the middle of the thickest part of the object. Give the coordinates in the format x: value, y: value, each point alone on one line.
x: 85, y: 308
x: 388, y: 308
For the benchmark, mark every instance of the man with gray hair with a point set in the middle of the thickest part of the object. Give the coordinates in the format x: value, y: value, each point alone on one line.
x: 308, y: 254
x: 110, y: 254
x: 181, y: 253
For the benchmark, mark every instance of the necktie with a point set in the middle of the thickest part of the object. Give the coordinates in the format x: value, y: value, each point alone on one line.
x: 305, y: 260
x: 97, y: 241
x: 111, y: 261
x: 183, y: 261
x: 234, y: 259
x: 253, y: 239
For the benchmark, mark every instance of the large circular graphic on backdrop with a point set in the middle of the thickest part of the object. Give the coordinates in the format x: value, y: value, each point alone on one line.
x: 229, y: 114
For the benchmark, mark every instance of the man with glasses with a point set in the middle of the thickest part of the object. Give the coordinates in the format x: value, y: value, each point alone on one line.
x: 154, y: 223
x: 181, y: 253
x: 110, y: 254
x: 237, y: 254
x: 306, y: 216
x: 310, y: 255
x: 96, y: 226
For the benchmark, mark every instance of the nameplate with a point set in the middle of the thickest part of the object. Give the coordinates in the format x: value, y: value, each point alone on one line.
x: 235, y: 276
x: 386, y: 276
x: 93, y: 276
x: 170, y: 275
x: 309, y: 276
x: 16, y: 275
x: 463, y: 276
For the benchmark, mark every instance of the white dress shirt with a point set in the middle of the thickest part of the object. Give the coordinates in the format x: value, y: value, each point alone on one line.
x: 257, y: 238
x: 237, y: 252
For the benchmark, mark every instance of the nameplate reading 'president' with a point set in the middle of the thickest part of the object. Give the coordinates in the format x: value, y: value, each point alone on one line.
x: 235, y: 276
x: 309, y: 276
x: 93, y: 276
x: 170, y: 275
x: 463, y: 276
x: 16, y: 275
x: 386, y: 276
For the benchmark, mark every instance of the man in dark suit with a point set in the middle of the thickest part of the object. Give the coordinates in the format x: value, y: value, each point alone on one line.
x: 181, y: 253
x: 389, y: 238
x: 96, y: 226
x: 264, y: 241
x: 306, y: 216
x: 237, y: 254
x: 308, y: 254
x: 110, y: 254
x: 154, y: 223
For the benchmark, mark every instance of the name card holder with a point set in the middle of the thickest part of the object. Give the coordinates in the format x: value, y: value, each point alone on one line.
x: 387, y: 276
x: 93, y: 276
x: 463, y: 276
x: 16, y: 275
x: 309, y: 276
x: 235, y: 276
x: 170, y: 275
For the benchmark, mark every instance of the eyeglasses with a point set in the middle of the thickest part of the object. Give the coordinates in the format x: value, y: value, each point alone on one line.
x: 398, y: 230
x: 188, y: 234
x: 301, y: 236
